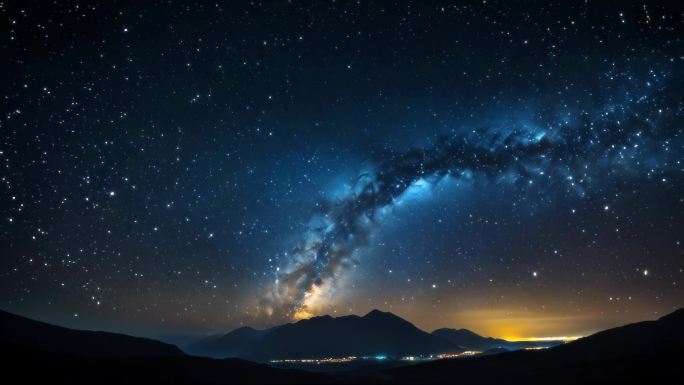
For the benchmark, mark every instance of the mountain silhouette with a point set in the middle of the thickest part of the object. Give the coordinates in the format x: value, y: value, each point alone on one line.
x: 468, y: 339
x: 29, y: 334
x: 645, y: 352
x: 375, y: 334
x: 649, y: 351
x: 38, y: 352
x: 472, y: 341
x: 228, y: 345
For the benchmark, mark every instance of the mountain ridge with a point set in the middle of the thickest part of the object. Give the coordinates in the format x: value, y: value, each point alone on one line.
x: 236, y: 343
x: 31, y: 334
x: 473, y: 341
x: 375, y: 333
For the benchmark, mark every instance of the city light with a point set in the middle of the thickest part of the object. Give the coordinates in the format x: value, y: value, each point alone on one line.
x: 380, y: 357
x: 316, y: 361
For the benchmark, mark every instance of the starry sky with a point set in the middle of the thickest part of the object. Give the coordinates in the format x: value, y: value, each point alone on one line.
x: 187, y: 168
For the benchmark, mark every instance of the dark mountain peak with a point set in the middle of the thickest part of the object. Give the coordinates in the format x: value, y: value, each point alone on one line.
x: 468, y: 339
x: 462, y: 332
x: 244, y: 329
x: 321, y: 318
x: 675, y: 316
x: 386, y: 319
x: 374, y: 312
x: 227, y: 345
x: 382, y: 315
x: 314, y: 320
x: 244, y: 332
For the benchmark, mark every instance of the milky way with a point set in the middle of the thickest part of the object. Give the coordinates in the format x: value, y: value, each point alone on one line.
x: 177, y: 168
x: 608, y: 144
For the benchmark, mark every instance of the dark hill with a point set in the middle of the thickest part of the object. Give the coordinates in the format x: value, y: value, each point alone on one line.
x: 34, y: 335
x: 473, y: 341
x: 650, y: 351
x: 469, y: 340
x: 227, y: 345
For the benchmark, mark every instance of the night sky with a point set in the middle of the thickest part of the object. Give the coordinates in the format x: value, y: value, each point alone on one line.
x: 190, y: 168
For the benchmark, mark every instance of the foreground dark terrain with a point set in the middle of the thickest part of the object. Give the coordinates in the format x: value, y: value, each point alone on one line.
x: 650, y: 351
x: 36, y: 351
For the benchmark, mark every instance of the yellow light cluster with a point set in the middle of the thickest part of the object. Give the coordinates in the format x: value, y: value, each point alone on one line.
x: 456, y: 355
x: 317, y: 361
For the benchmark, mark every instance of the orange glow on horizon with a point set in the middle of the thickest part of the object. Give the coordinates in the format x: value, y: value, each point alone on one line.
x: 525, y: 325
x: 301, y: 314
x: 542, y: 339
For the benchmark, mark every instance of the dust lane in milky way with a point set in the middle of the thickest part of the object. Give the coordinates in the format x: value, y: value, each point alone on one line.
x: 577, y: 154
